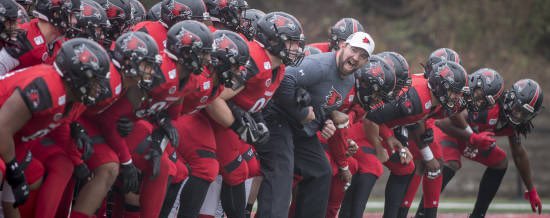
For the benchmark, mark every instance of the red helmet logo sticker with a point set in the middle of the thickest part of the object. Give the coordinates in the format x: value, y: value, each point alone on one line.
x: 178, y: 9
x: 88, y: 10
x: 114, y: 11
x: 187, y: 38
x: 282, y: 22
x: 133, y: 43
x: 83, y: 55
x: 446, y: 73
x: 375, y: 70
x: 225, y: 43
x: 489, y: 76
x: 341, y: 26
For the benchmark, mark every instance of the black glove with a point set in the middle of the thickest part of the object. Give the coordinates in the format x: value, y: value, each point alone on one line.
x: 246, y: 127
x: 82, y: 140
x: 427, y: 137
x: 164, y: 122
x: 261, y: 129
x: 16, y: 179
x: 303, y: 98
x: 130, y: 178
x: 18, y: 47
x: 81, y: 172
x: 155, y: 152
x: 124, y: 126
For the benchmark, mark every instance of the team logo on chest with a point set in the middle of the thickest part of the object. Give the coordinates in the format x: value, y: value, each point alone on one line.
x: 334, y: 98
x: 57, y: 117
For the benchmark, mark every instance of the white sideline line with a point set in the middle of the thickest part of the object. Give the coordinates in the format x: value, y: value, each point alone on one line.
x: 457, y: 205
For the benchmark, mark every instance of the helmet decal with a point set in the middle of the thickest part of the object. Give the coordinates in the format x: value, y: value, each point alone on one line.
x: 88, y: 10
x: 85, y: 56
x: 177, y: 9
x: 133, y: 43
x: 225, y: 42
x: 113, y: 11
x: 282, y: 21
x: 187, y: 38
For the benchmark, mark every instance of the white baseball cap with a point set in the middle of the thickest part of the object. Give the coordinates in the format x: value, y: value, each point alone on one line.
x: 361, y: 40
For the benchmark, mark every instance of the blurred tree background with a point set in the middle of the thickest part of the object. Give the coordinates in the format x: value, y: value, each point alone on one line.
x: 512, y: 37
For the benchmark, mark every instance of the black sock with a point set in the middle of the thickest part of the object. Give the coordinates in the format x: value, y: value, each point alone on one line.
x: 365, y: 182
x: 396, y: 188
x: 233, y: 200
x: 488, y: 187
x: 192, y: 196
x: 402, y: 212
x: 430, y: 212
x: 169, y: 199
x: 448, y: 174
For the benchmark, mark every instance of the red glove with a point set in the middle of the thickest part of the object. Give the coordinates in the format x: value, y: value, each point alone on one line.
x: 482, y: 140
x: 534, y: 199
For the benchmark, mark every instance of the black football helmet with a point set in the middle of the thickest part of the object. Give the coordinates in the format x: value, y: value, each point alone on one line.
x: 8, y: 19
x: 22, y: 15
x: 91, y: 22
x: 119, y: 14
x: 374, y: 82
x: 154, y: 12
x: 277, y: 28
x: 249, y: 19
x: 486, y: 87
x: 187, y: 42
x: 438, y: 56
x: 26, y: 4
x: 341, y: 30
x: 136, y: 55
x: 227, y: 12
x: 173, y: 11
x: 57, y: 12
x: 523, y: 102
x: 449, y: 82
x: 310, y: 50
x: 229, y: 55
x: 138, y: 12
x: 401, y: 66
x: 84, y: 66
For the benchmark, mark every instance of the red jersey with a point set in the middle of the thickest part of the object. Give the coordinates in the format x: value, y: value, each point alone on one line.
x: 204, y: 95
x: 44, y: 93
x: 156, y: 30
x: 42, y: 52
x: 163, y: 95
x: 262, y: 79
x: 323, y: 46
x: 109, y: 98
x: 490, y: 120
x: 419, y: 103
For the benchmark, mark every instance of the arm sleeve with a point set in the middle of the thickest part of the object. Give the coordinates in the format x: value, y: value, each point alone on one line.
x: 395, y: 110
x: 296, y: 77
x: 62, y: 136
x: 112, y: 137
x: 337, y: 145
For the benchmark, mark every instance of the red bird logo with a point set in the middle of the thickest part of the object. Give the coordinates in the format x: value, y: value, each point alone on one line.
x: 446, y: 73
x: 33, y: 95
x: 83, y: 55
x: 177, y: 9
x: 225, y: 43
x: 334, y: 98
x: 133, y: 43
x: 114, y: 11
x: 281, y: 21
x: 187, y: 38
x: 366, y: 40
x: 376, y: 70
x: 88, y: 10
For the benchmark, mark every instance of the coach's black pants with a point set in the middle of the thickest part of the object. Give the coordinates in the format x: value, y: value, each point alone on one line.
x: 288, y: 152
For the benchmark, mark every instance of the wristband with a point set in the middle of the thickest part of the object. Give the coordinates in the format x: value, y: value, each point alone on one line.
x: 127, y: 163
x: 469, y: 130
x: 343, y: 125
x: 344, y: 168
x: 427, y: 154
